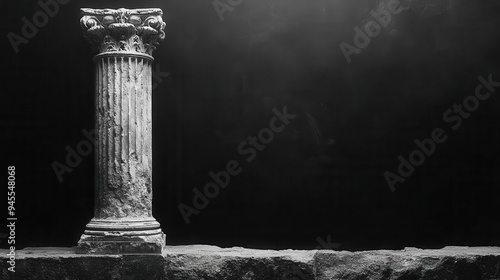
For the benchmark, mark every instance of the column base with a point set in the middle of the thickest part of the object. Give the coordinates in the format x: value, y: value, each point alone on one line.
x: 104, y: 236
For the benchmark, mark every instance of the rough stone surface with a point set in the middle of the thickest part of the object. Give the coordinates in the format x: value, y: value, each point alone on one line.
x: 152, y: 244
x: 124, y: 137
x: 411, y: 263
x: 209, y: 263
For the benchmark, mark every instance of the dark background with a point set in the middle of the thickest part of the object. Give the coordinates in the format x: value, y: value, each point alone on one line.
x: 322, y: 176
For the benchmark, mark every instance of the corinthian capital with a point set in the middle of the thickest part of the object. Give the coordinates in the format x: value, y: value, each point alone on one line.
x: 123, y: 30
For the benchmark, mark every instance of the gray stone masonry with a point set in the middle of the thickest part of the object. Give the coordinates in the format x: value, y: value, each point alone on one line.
x: 199, y: 262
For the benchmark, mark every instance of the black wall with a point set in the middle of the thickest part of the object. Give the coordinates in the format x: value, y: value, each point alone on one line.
x: 323, y: 175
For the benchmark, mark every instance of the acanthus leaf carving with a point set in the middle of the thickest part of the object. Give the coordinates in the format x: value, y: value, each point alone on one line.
x: 137, y: 30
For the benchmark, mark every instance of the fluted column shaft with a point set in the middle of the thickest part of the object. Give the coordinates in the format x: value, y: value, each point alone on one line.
x: 124, y: 148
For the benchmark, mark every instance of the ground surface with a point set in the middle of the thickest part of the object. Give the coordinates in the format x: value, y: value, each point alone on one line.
x: 210, y: 263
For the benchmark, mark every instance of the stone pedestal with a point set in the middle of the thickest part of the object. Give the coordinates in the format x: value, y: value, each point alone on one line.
x: 123, y: 220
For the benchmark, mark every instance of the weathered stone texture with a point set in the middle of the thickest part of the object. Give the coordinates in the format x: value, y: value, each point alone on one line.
x: 209, y: 263
x: 454, y: 263
x: 124, y: 131
x: 127, y: 30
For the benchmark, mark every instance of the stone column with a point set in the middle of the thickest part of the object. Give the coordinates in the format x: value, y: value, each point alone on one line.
x: 123, y: 220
